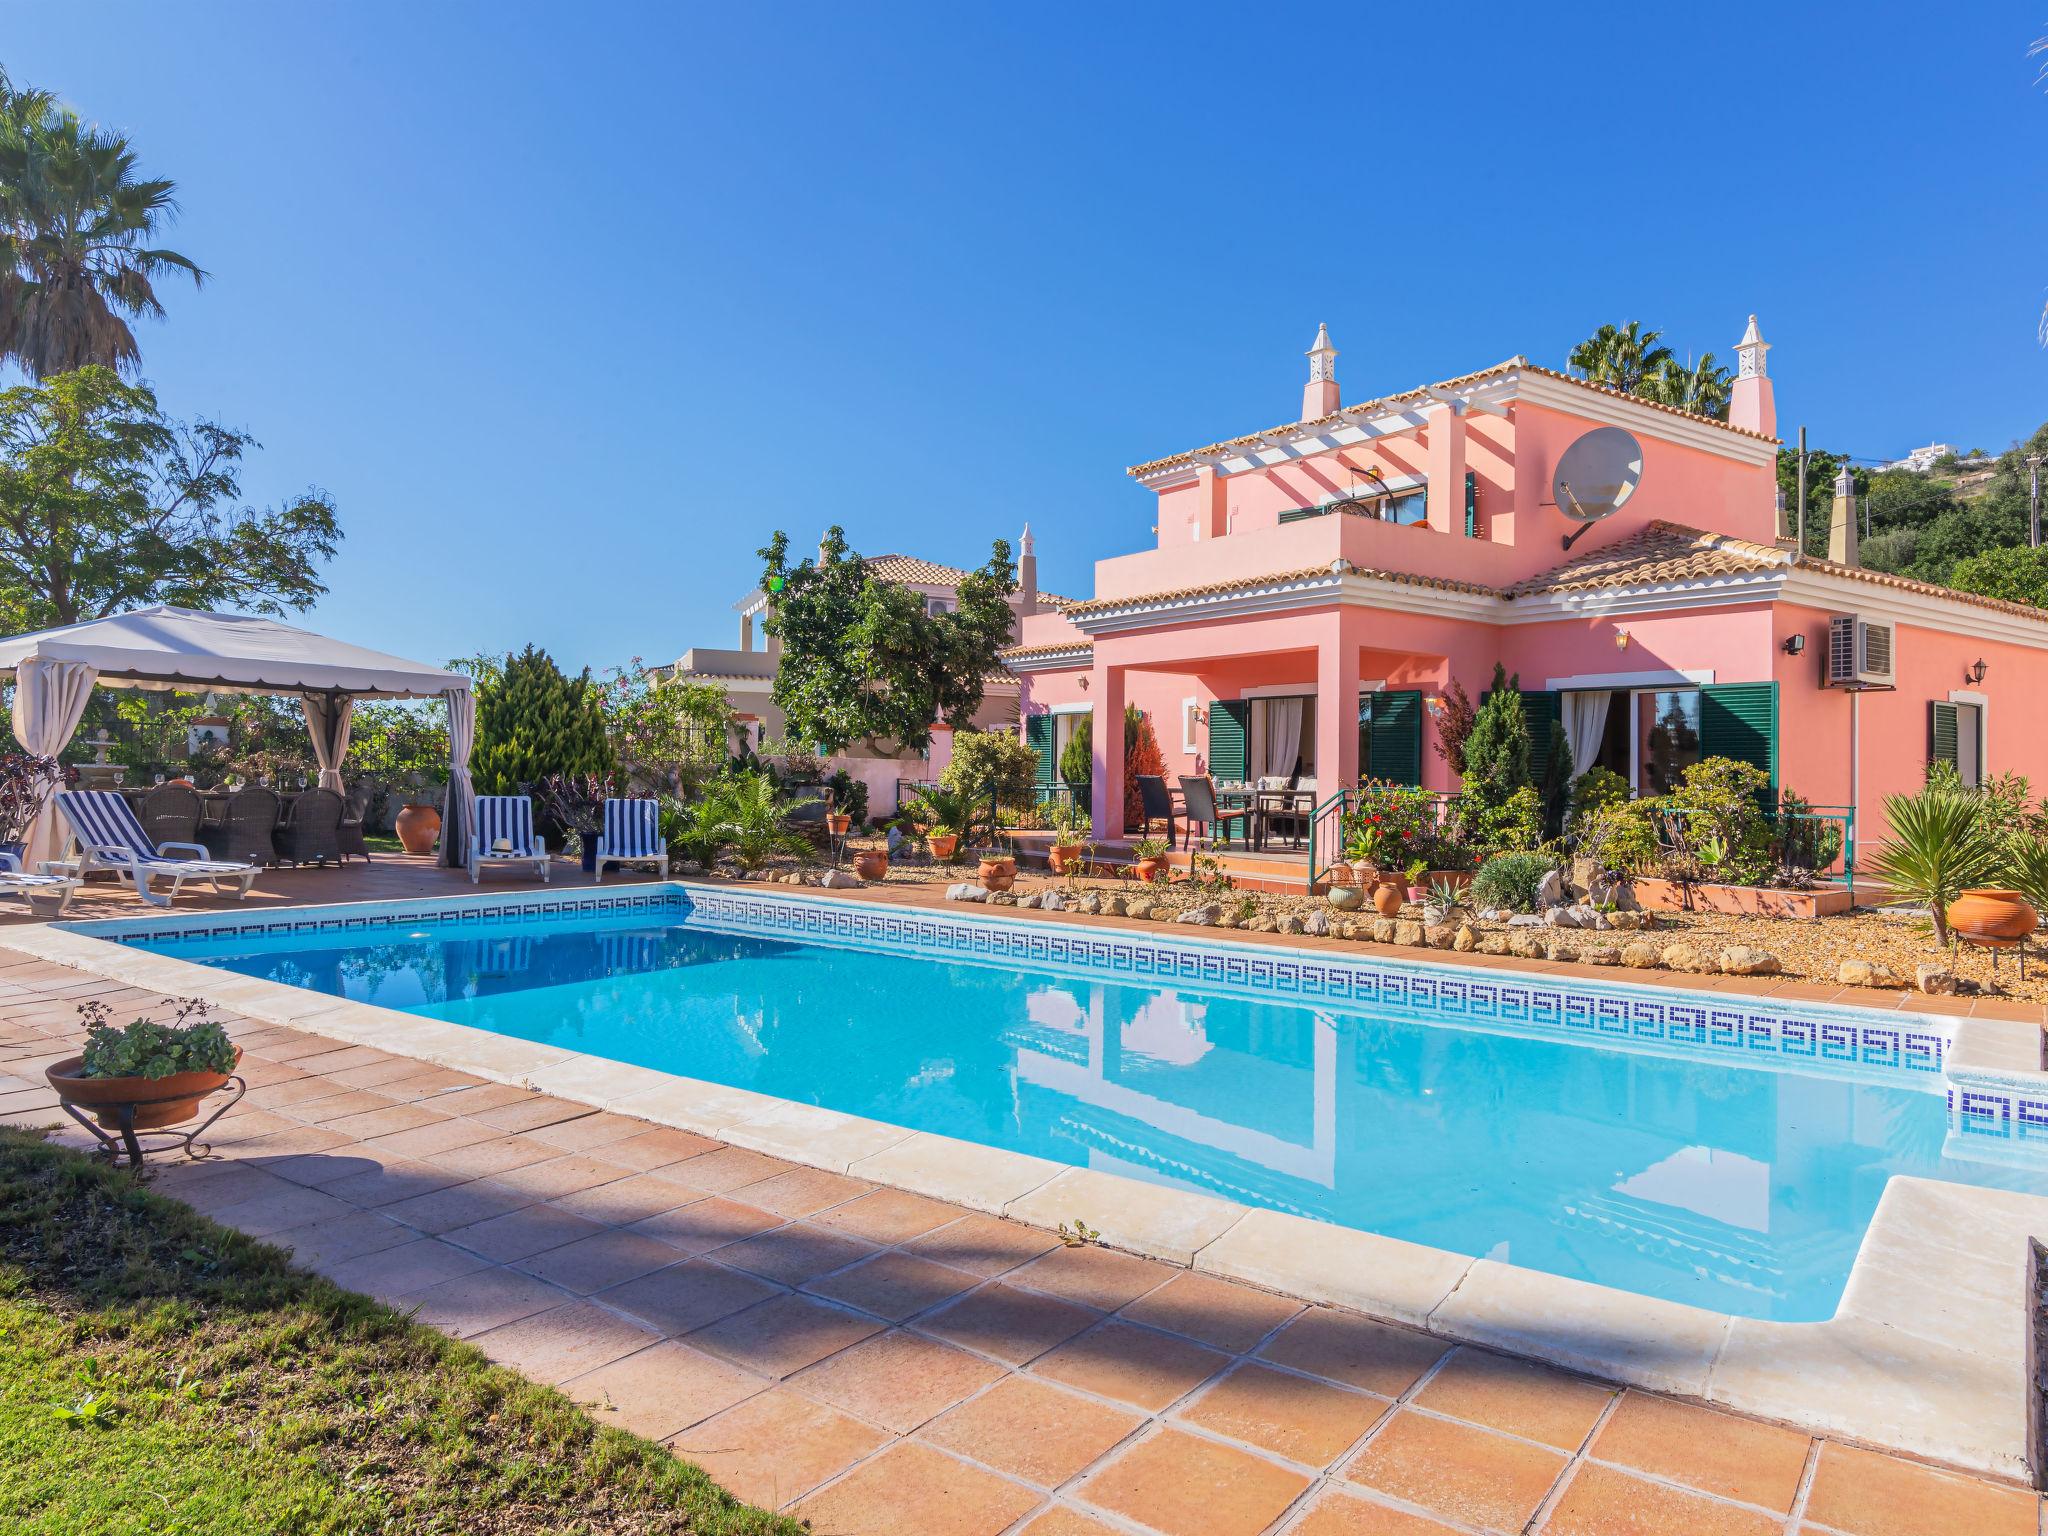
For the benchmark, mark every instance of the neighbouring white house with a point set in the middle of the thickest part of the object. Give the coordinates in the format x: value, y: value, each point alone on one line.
x: 1920, y: 460
x: 747, y: 672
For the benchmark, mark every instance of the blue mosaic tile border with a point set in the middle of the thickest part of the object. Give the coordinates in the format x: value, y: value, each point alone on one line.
x: 1998, y: 1112
x: 1687, y: 1024
x: 512, y: 907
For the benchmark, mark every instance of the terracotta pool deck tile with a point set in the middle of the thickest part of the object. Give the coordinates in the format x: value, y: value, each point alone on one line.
x: 245, y: 1125
x: 705, y: 1224
x: 1868, y: 1494
x: 804, y: 1192
x: 524, y: 1114
x: 389, y: 1273
x: 368, y: 1125
x: 776, y: 1446
x: 1061, y: 1521
x: 661, y: 1390
x: 481, y: 1300
x: 683, y: 1297
x: 436, y: 1140
x: 983, y: 1245
x: 395, y: 1069
x: 603, y: 1259
x: 1219, y: 1313
x: 334, y: 1241
x: 897, y: 1380
x: 474, y: 1101
x: 625, y: 1201
x: 1014, y: 1326
x: 457, y: 1205
x: 570, y: 1340
x: 381, y: 1180
x: 586, y: 1132
x: 794, y: 1254
x: 1468, y: 1475
x: 1033, y: 1430
x: 781, y: 1336
x: 726, y: 1170
x: 894, y: 1285
x: 495, y: 1155
x: 889, y: 1216
x: 1522, y: 1398
x: 1183, y: 1485
x: 912, y: 1487
x: 1354, y: 1350
x: 652, y: 1150
x: 1095, y: 1277
x: 289, y: 1093
x: 562, y: 1175
x: 431, y: 1086
x: 1299, y: 1417
x: 521, y: 1233
x: 1702, y: 1448
x: 1337, y: 1512
x: 276, y: 1210
x: 1603, y: 1501
x: 334, y: 1106
x: 1132, y: 1365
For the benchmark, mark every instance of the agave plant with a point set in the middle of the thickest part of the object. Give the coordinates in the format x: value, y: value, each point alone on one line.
x: 1942, y: 845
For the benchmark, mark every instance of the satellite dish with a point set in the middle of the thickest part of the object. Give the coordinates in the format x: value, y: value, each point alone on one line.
x: 1596, y: 476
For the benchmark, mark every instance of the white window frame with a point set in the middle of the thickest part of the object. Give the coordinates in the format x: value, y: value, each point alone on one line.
x: 1190, y: 714
x: 1981, y: 702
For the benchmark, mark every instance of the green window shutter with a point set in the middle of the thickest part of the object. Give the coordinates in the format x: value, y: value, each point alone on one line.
x: 1230, y: 733
x: 1471, y: 505
x: 1740, y: 721
x: 1396, y: 738
x: 1541, y: 708
x: 1941, y: 734
x: 1039, y: 734
x: 1296, y: 514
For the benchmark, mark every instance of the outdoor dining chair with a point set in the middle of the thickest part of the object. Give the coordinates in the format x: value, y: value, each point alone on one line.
x: 313, y: 835
x: 110, y: 837
x: 253, y: 813
x: 1155, y: 803
x: 1199, y: 807
x: 349, y: 834
x: 632, y: 835
x: 170, y: 814
x: 504, y: 835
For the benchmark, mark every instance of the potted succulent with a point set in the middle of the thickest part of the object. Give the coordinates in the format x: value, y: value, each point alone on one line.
x: 162, y: 1069
x: 1442, y: 903
x: 998, y: 871
x: 1070, y: 828
x: 838, y: 823
x: 26, y: 784
x: 1150, y: 854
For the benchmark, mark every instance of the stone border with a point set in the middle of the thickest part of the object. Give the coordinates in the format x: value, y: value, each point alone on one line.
x: 1926, y: 1354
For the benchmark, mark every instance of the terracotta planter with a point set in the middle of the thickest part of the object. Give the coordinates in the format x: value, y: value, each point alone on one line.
x: 1339, y: 875
x: 1997, y: 917
x: 944, y: 845
x: 998, y: 873
x: 1061, y: 858
x: 1345, y: 898
x: 838, y: 823
x: 174, y: 1099
x: 419, y: 827
x: 1388, y: 899
x: 871, y: 863
x: 1148, y: 869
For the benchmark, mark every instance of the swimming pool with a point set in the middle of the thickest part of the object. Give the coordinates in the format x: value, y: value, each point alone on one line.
x: 1705, y: 1149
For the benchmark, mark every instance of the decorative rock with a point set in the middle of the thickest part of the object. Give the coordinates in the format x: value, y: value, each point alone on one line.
x: 1868, y: 973
x: 966, y: 890
x: 1113, y: 906
x: 1316, y: 924
x: 1525, y: 945
x: 1493, y: 944
x: 1642, y: 955
x: 1226, y: 921
x: 1002, y: 899
x: 1441, y: 935
x: 1623, y: 918
x: 1203, y: 916
x: 1407, y: 931
x: 1031, y: 899
x: 1616, y: 893
x: 1383, y: 930
x: 1690, y: 957
x: 1140, y: 908
x: 1347, y: 930
x: 1560, y: 949
x: 1261, y: 924
x: 1465, y: 940
x: 1525, y: 920
x: 1748, y: 960
x: 1496, y: 915
x: 1937, y: 980
x: 1052, y: 901
x: 1562, y: 917
x: 1290, y: 924
x: 1551, y: 890
x: 1600, y: 954
x: 838, y: 880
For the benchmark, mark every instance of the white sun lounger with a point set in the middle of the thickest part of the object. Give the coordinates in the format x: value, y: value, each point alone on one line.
x: 632, y: 835
x: 43, y: 895
x: 506, y: 819
x: 109, y: 837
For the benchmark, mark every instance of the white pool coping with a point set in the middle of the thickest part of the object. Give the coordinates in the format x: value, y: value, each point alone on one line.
x: 1929, y: 1352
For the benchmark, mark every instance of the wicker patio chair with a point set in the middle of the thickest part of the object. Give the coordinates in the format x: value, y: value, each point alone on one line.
x: 348, y: 835
x: 253, y: 815
x: 313, y: 835
x: 170, y: 813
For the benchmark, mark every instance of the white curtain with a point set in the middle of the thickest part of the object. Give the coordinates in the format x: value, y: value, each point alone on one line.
x: 49, y: 701
x: 327, y: 722
x: 1283, y: 736
x: 458, y: 813
x: 1584, y: 716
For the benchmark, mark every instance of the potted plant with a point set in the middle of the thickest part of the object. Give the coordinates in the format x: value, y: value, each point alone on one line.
x: 871, y: 863
x: 998, y: 871
x: 576, y: 802
x: 26, y: 784
x: 1418, y: 871
x: 162, y: 1069
x: 1442, y: 905
x: 944, y: 817
x: 1388, y: 897
x: 838, y: 823
x: 1070, y: 829
x: 1150, y: 854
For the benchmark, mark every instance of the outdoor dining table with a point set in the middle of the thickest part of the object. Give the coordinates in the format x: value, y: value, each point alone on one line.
x: 213, y: 808
x: 1270, y: 805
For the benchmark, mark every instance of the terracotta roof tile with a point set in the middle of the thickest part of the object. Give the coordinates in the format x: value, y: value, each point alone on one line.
x: 1658, y: 553
x: 1033, y: 652
x: 1275, y: 579
x: 910, y: 569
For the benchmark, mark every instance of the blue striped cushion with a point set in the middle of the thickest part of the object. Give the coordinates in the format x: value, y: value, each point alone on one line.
x: 506, y: 816
x: 632, y: 829
x: 102, y: 818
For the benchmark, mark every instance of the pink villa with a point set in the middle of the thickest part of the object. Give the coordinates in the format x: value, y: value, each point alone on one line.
x: 1315, y: 587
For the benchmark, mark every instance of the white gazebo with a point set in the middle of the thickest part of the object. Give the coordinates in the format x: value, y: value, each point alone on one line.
x: 192, y: 652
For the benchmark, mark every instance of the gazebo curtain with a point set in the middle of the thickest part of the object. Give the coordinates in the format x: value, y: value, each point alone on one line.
x: 327, y: 722
x: 458, y: 814
x: 49, y: 701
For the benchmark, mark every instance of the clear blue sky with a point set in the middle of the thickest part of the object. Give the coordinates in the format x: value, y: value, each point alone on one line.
x: 570, y: 306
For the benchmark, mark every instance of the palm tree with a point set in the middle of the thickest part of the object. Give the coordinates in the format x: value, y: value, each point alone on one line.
x: 76, y: 222
x: 1620, y: 357
x: 1701, y: 388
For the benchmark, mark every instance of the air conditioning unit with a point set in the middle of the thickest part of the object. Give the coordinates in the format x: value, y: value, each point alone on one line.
x: 1859, y: 653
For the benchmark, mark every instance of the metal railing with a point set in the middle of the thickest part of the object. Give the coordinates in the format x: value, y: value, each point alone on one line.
x: 1326, y: 833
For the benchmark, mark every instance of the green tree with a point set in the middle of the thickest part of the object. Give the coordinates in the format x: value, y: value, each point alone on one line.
x: 674, y: 733
x: 2011, y: 574
x: 1498, y: 801
x: 106, y: 505
x: 1701, y: 387
x: 533, y: 720
x: 1621, y: 357
x: 863, y: 660
x: 78, y: 226
x: 1077, y: 758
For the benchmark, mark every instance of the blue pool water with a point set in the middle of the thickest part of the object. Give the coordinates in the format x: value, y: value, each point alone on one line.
x: 1744, y: 1188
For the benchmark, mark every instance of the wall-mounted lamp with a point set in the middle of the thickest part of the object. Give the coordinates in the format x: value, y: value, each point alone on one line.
x: 1436, y: 707
x: 1621, y: 639
x: 1975, y: 673
x: 1084, y: 682
x: 1795, y: 645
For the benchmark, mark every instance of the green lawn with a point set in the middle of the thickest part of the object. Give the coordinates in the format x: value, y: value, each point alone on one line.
x: 161, y: 1374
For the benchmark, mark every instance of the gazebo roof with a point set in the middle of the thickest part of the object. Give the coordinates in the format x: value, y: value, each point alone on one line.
x: 194, y: 652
